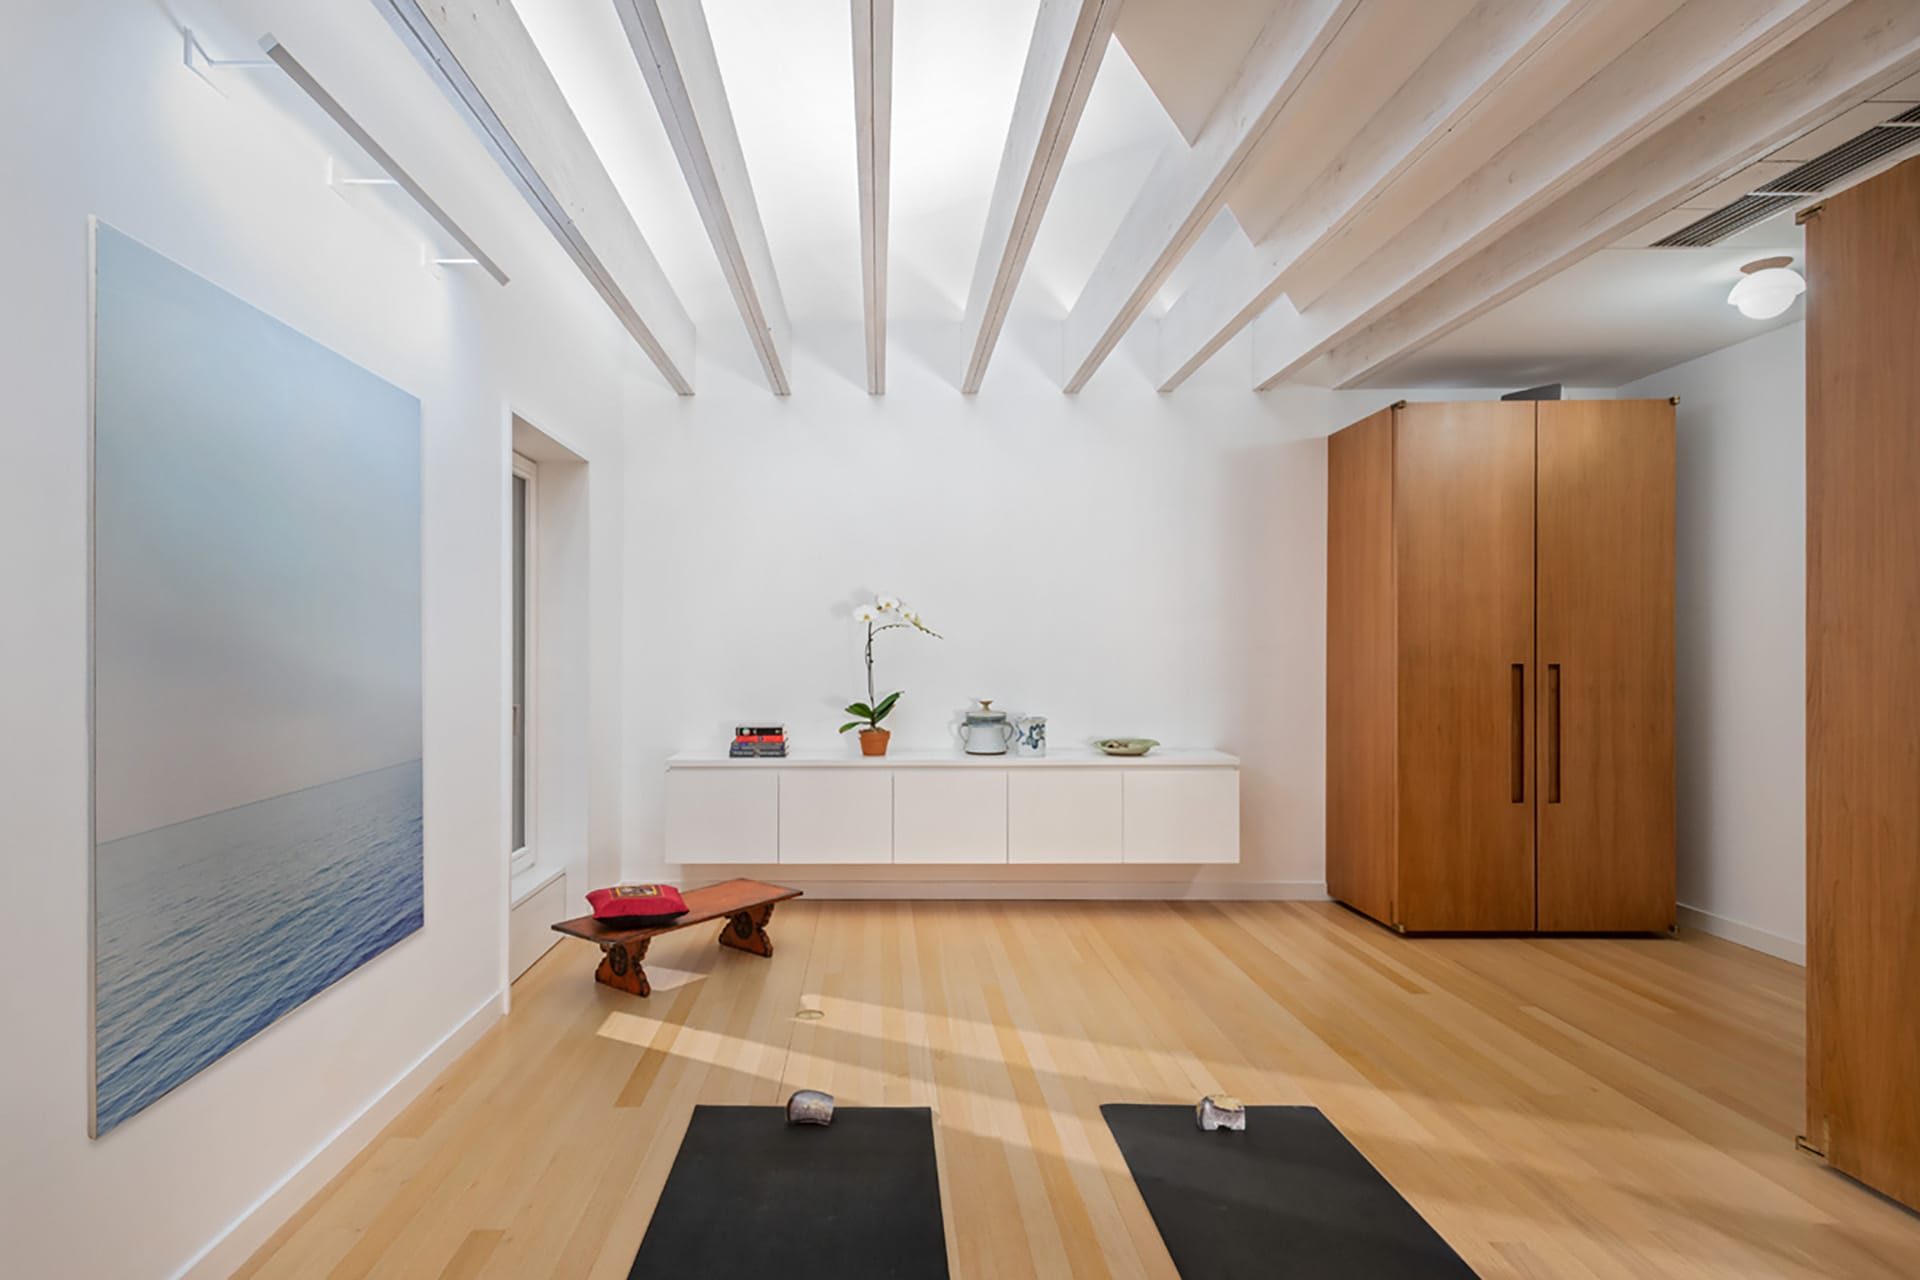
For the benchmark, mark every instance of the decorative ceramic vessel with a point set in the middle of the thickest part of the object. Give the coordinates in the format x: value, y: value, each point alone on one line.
x: 1126, y: 746
x: 873, y: 742
x: 1030, y: 735
x: 986, y: 732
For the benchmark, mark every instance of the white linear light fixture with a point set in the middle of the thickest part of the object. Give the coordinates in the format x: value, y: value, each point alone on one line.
x: 335, y: 181
x: 199, y: 61
x: 278, y: 56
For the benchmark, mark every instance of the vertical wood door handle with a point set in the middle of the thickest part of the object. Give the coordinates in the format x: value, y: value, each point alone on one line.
x: 1519, y: 765
x: 1553, y: 733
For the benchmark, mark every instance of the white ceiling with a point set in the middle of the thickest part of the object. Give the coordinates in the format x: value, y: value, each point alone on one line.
x: 1612, y: 319
x: 1598, y: 320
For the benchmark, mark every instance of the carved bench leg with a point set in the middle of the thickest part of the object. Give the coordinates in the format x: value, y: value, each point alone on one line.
x: 747, y: 931
x: 620, y: 968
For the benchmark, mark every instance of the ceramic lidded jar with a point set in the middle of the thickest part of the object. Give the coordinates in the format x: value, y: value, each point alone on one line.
x: 985, y: 732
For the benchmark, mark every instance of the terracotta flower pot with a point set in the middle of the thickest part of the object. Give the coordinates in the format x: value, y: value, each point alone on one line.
x: 873, y: 742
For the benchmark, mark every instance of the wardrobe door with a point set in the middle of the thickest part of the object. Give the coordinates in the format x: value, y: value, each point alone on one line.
x: 1360, y: 666
x: 1605, y: 682
x: 1463, y: 547
x: 1863, y: 682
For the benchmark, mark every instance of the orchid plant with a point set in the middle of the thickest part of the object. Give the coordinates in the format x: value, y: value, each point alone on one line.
x: 886, y: 613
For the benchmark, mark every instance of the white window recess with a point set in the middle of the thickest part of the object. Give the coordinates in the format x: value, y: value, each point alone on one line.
x: 523, y: 624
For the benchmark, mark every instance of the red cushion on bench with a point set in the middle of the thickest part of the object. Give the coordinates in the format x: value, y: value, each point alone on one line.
x: 636, y: 904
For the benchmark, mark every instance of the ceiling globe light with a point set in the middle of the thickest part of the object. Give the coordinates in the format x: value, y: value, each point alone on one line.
x: 1767, y: 288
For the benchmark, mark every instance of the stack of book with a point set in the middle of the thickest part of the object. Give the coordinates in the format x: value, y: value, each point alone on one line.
x: 752, y: 740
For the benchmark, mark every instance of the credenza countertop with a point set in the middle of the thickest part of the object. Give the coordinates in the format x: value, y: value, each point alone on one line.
x: 1056, y: 758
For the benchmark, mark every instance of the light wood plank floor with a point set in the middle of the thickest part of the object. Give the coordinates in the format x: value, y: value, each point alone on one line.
x: 1554, y: 1107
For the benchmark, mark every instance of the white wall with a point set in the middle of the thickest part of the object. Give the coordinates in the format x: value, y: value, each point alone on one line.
x: 1122, y: 562
x: 1741, y: 533
x: 106, y: 120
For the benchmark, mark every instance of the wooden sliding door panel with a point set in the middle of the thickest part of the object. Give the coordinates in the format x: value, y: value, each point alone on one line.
x: 1863, y: 687
x: 1605, y: 641
x: 1360, y: 666
x: 1463, y: 545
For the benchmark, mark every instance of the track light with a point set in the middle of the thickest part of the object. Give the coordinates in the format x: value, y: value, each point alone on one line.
x: 278, y: 55
x: 1767, y: 288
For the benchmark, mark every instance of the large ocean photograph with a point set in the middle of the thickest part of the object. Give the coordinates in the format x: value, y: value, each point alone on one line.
x: 257, y: 812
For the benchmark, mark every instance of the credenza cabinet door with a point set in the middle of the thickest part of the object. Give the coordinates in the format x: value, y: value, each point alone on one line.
x: 1064, y: 815
x: 717, y: 816
x: 836, y: 815
x: 1604, y: 741
x: 1463, y: 546
x: 1182, y: 815
x: 1863, y: 683
x: 950, y: 816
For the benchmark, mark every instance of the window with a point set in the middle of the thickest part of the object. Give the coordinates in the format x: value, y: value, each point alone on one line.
x: 521, y: 828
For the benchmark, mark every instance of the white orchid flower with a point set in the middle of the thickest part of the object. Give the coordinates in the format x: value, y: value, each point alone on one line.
x: 866, y: 613
x: 886, y: 604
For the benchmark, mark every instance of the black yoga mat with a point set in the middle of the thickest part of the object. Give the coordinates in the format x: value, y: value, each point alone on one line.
x: 751, y: 1195
x: 1289, y: 1197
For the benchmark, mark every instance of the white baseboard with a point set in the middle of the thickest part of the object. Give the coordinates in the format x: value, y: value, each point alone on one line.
x: 1745, y: 934
x: 224, y: 1254
x: 976, y: 890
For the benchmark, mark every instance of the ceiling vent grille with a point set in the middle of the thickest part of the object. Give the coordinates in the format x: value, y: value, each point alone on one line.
x: 1721, y: 223
x: 1810, y: 179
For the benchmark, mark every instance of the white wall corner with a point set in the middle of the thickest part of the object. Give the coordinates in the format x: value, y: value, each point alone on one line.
x: 1792, y: 950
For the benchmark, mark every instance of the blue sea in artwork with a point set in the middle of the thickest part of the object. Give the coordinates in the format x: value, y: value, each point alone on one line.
x: 210, y: 929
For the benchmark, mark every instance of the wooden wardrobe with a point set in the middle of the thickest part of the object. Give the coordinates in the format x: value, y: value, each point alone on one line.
x: 1863, y: 682
x: 1500, y: 666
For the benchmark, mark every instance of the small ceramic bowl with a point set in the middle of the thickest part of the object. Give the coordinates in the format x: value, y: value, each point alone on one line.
x: 1126, y: 746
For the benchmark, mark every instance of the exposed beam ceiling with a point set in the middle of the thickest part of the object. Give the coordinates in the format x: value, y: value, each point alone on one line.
x: 485, y: 62
x: 1393, y: 168
x: 873, y: 132
x: 1244, y: 278
x: 675, y: 51
x: 1189, y: 185
x: 1673, y: 67
x: 1861, y: 50
x: 1069, y: 41
x: 1189, y: 65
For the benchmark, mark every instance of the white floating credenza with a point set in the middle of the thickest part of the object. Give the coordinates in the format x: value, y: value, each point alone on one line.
x: 946, y: 809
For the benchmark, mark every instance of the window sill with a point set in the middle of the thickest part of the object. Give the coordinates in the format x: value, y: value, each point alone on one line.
x: 531, y: 881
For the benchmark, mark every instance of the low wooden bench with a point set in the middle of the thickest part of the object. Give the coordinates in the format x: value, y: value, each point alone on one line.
x: 746, y: 904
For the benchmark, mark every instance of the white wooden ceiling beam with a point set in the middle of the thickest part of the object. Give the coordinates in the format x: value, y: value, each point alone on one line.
x: 1069, y: 41
x: 873, y: 136
x: 675, y: 51
x: 1189, y: 184
x: 1675, y: 66
x: 1856, y: 53
x: 487, y: 64
x: 1244, y: 279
